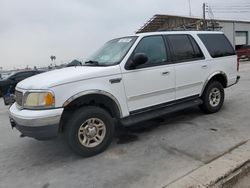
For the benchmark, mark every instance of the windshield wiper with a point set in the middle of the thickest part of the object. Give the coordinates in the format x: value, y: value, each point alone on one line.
x: 92, y: 62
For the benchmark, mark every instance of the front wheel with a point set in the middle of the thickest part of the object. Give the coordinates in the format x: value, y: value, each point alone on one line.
x: 212, y: 97
x: 90, y: 131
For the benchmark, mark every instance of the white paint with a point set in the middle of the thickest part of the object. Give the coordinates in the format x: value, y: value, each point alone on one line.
x: 138, y: 88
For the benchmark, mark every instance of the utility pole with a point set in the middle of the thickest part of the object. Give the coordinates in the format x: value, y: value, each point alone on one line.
x: 189, y: 3
x: 204, y: 16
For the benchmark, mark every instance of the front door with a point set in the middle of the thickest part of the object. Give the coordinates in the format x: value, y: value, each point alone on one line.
x: 152, y: 83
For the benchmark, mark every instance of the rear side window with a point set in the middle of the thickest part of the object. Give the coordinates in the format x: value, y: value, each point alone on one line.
x: 217, y: 45
x: 184, y: 48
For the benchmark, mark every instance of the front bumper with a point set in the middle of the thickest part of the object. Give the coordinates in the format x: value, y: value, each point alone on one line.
x: 39, y: 124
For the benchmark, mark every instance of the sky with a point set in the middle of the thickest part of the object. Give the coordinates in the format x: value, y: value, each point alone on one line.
x: 33, y: 30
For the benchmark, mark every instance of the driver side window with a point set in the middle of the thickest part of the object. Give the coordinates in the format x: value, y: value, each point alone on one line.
x: 154, y: 48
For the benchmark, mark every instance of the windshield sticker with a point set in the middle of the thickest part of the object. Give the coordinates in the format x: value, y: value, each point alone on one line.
x: 125, y: 40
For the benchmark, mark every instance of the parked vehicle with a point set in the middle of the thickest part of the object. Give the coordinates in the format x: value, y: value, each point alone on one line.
x: 8, y: 84
x: 243, y: 51
x: 74, y: 63
x: 5, y: 75
x: 129, y: 80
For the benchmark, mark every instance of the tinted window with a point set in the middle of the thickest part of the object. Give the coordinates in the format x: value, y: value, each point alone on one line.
x: 184, y: 48
x: 197, y: 51
x: 217, y: 45
x: 154, y: 48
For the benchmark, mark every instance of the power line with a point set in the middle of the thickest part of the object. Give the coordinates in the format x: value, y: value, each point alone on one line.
x: 243, y: 7
x: 228, y: 4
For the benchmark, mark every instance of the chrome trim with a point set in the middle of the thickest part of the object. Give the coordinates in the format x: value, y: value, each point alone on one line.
x: 17, y: 105
x: 163, y: 91
x: 88, y: 92
x: 188, y: 86
x: 35, y: 120
x: 210, y: 77
x: 237, y: 80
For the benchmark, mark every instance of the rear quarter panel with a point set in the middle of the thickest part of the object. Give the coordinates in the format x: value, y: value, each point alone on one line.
x: 227, y: 65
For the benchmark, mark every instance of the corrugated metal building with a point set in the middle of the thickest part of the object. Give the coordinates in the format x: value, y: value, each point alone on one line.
x: 237, y: 31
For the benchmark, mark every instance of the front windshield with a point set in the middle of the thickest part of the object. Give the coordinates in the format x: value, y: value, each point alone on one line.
x: 112, y: 52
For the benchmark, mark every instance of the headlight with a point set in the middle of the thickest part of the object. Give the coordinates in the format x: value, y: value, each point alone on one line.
x: 39, y: 100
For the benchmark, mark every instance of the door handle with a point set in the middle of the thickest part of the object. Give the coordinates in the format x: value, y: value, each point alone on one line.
x: 165, y: 73
x: 115, y: 80
x: 204, y: 66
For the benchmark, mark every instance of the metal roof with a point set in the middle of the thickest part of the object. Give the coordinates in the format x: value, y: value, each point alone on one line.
x: 159, y: 21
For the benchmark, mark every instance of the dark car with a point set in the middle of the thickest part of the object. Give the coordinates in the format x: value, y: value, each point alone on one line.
x: 74, y: 63
x: 7, y: 85
x: 243, y: 51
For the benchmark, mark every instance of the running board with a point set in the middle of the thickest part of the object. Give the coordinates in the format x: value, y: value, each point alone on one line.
x: 144, y: 116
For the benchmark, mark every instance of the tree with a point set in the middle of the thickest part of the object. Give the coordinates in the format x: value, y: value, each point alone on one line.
x: 53, y: 58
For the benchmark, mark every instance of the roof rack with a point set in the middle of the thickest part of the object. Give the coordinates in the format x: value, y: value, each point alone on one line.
x: 177, y: 23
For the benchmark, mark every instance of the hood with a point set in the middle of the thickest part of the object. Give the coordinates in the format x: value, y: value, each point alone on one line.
x: 66, y: 75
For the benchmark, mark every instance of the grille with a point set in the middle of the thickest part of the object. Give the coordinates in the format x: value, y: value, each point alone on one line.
x: 19, y: 98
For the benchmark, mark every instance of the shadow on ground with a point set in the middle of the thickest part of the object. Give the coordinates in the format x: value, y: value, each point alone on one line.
x: 126, y: 135
x: 46, y: 151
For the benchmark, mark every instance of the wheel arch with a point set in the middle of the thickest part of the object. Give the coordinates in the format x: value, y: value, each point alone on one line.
x: 219, y: 76
x: 99, y: 98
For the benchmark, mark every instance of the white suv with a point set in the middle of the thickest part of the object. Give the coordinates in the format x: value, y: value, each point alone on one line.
x: 129, y: 80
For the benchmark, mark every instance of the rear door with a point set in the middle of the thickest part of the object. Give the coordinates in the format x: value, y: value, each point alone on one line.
x: 191, y: 68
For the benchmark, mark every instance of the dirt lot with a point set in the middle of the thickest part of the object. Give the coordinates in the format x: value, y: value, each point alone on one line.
x: 151, y: 155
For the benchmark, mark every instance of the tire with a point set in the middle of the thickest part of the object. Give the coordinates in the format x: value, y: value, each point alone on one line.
x: 90, y: 131
x: 212, y: 97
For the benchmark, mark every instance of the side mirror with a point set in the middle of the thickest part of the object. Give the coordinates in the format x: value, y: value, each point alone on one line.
x: 138, y: 59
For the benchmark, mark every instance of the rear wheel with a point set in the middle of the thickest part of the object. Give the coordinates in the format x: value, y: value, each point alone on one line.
x: 90, y: 131
x: 212, y: 97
